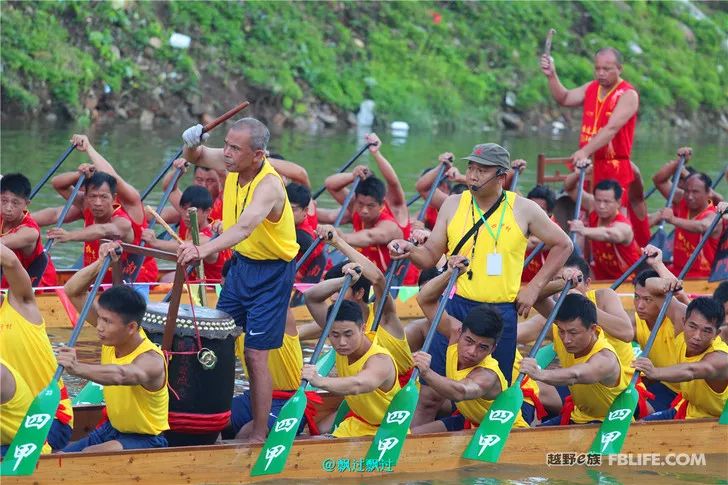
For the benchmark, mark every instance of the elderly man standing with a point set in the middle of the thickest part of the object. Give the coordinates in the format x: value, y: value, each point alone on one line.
x: 258, y: 224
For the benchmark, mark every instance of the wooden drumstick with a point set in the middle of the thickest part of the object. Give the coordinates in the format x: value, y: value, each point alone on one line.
x: 162, y: 223
x: 547, y: 44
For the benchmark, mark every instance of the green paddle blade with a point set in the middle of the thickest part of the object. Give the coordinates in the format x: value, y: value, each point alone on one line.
x: 273, y: 455
x: 613, y: 431
x: 545, y: 355
x: 724, y: 415
x: 340, y: 414
x: 390, y: 437
x: 91, y: 393
x: 491, y: 436
x: 323, y: 366
x: 25, y: 449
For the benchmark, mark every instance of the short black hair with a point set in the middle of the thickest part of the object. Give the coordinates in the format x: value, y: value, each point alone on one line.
x: 125, y: 302
x: 577, y: 306
x: 643, y: 276
x: 721, y: 292
x: 458, y: 189
x: 610, y: 184
x: 708, y: 307
x: 576, y: 261
x: 349, y: 311
x: 98, y: 179
x: 704, y: 177
x: 372, y: 187
x: 298, y: 194
x: 362, y: 283
x: 484, y: 320
x: 428, y: 274
x: 543, y: 192
x: 276, y: 155
x: 196, y: 196
x: 15, y: 183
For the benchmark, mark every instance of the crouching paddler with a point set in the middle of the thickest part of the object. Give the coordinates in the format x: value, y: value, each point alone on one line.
x: 133, y: 370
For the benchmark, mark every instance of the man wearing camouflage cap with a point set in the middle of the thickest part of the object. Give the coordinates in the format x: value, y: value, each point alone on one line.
x: 495, y: 249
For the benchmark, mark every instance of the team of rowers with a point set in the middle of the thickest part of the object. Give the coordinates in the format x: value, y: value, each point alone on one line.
x: 257, y: 217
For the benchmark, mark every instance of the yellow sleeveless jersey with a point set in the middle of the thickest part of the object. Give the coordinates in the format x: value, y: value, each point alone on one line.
x: 284, y: 363
x: 134, y: 409
x: 663, y: 353
x: 624, y: 351
x: 26, y: 347
x: 511, y: 246
x: 13, y: 412
x: 269, y: 240
x: 591, y: 401
x: 529, y: 384
x: 475, y: 409
x: 398, y: 347
x: 371, y: 406
x: 703, y: 402
x: 370, y: 318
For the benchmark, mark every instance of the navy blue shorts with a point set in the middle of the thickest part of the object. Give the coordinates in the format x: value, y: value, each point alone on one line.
x: 663, y: 395
x: 106, y: 433
x: 529, y: 412
x: 59, y: 436
x: 241, y: 412
x: 455, y: 422
x: 505, y: 351
x: 556, y: 421
x: 256, y: 295
x: 438, y: 351
x: 662, y: 415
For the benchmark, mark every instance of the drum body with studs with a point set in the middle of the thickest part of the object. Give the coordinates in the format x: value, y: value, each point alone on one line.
x: 201, y: 371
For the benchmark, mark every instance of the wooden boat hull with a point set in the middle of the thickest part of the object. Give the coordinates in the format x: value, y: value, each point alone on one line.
x: 56, y: 317
x: 231, y: 463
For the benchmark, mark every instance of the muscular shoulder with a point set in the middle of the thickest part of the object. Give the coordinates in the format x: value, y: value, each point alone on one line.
x: 450, y: 205
x: 152, y: 362
x: 381, y: 362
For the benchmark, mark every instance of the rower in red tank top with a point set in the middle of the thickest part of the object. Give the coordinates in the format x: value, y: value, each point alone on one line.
x: 48, y: 278
x: 611, y: 260
x: 687, y: 214
x: 213, y: 271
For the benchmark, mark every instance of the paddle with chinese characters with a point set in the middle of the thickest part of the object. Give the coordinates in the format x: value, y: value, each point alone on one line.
x: 274, y: 453
x: 490, y: 438
x: 25, y: 448
x: 613, y: 431
x: 392, y: 432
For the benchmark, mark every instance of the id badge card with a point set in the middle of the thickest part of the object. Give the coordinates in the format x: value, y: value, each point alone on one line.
x: 494, y: 264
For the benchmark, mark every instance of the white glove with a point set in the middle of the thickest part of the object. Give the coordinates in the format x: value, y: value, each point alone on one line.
x: 193, y: 136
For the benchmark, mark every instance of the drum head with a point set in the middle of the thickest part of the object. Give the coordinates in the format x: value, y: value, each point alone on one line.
x: 211, y: 323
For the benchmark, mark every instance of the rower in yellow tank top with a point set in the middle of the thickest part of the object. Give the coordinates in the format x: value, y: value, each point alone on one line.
x: 26, y: 347
x: 511, y: 245
x: 368, y: 408
x: 134, y: 409
x: 269, y: 240
x: 15, y: 399
x: 663, y: 353
x: 530, y: 392
x: 623, y: 349
x: 703, y: 401
x: 475, y: 409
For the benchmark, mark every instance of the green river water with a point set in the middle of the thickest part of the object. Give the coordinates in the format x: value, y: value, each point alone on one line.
x: 137, y: 154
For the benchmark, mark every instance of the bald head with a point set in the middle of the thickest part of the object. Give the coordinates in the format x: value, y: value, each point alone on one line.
x: 617, y: 56
x: 259, y: 134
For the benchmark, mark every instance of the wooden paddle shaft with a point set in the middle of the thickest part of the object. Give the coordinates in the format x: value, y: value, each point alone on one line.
x: 579, y: 197
x: 195, y: 231
x: 66, y: 208
x: 51, y: 171
x: 547, y: 44
x: 673, y: 188
x: 163, y: 223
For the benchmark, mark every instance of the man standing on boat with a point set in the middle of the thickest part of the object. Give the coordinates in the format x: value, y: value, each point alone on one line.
x: 610, y: 113
x: 25, y: 346
x: 133, y: 370
x: 702, y: 368
x: 589, y: 364
x: 496, y: 251
x: 258, y: 224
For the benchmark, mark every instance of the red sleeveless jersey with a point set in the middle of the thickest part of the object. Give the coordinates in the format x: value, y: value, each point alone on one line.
x: 612, y: 260
x: 49, y: 276
x: 216, y: 212
x: 430, y: 217
x: 149, y: 271
x: 308, y: 226
x: 612, y: 161
x: 379, y: 254
x: 213, y: 271
x: 686, y: 241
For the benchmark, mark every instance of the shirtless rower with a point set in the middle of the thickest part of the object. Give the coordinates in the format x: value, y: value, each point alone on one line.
x: 258, y: 225
x: 702, y: 368
x: 473, y: 379
x: 496, y: 255
x: 590, y: 366
x: 367, y: 372
x: 20, y: 232
x: 133, y: 370
x: 110, y: 207
x: 25, y: 346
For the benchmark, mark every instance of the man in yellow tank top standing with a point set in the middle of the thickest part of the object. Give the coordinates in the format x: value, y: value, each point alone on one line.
x: 589, y: 364
x: 25, y: 346
x: 496, y: 251
x: 133, y: 370
x: 258, y: 224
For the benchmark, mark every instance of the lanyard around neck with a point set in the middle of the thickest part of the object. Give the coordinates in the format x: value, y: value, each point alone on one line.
x: 487, y: 226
